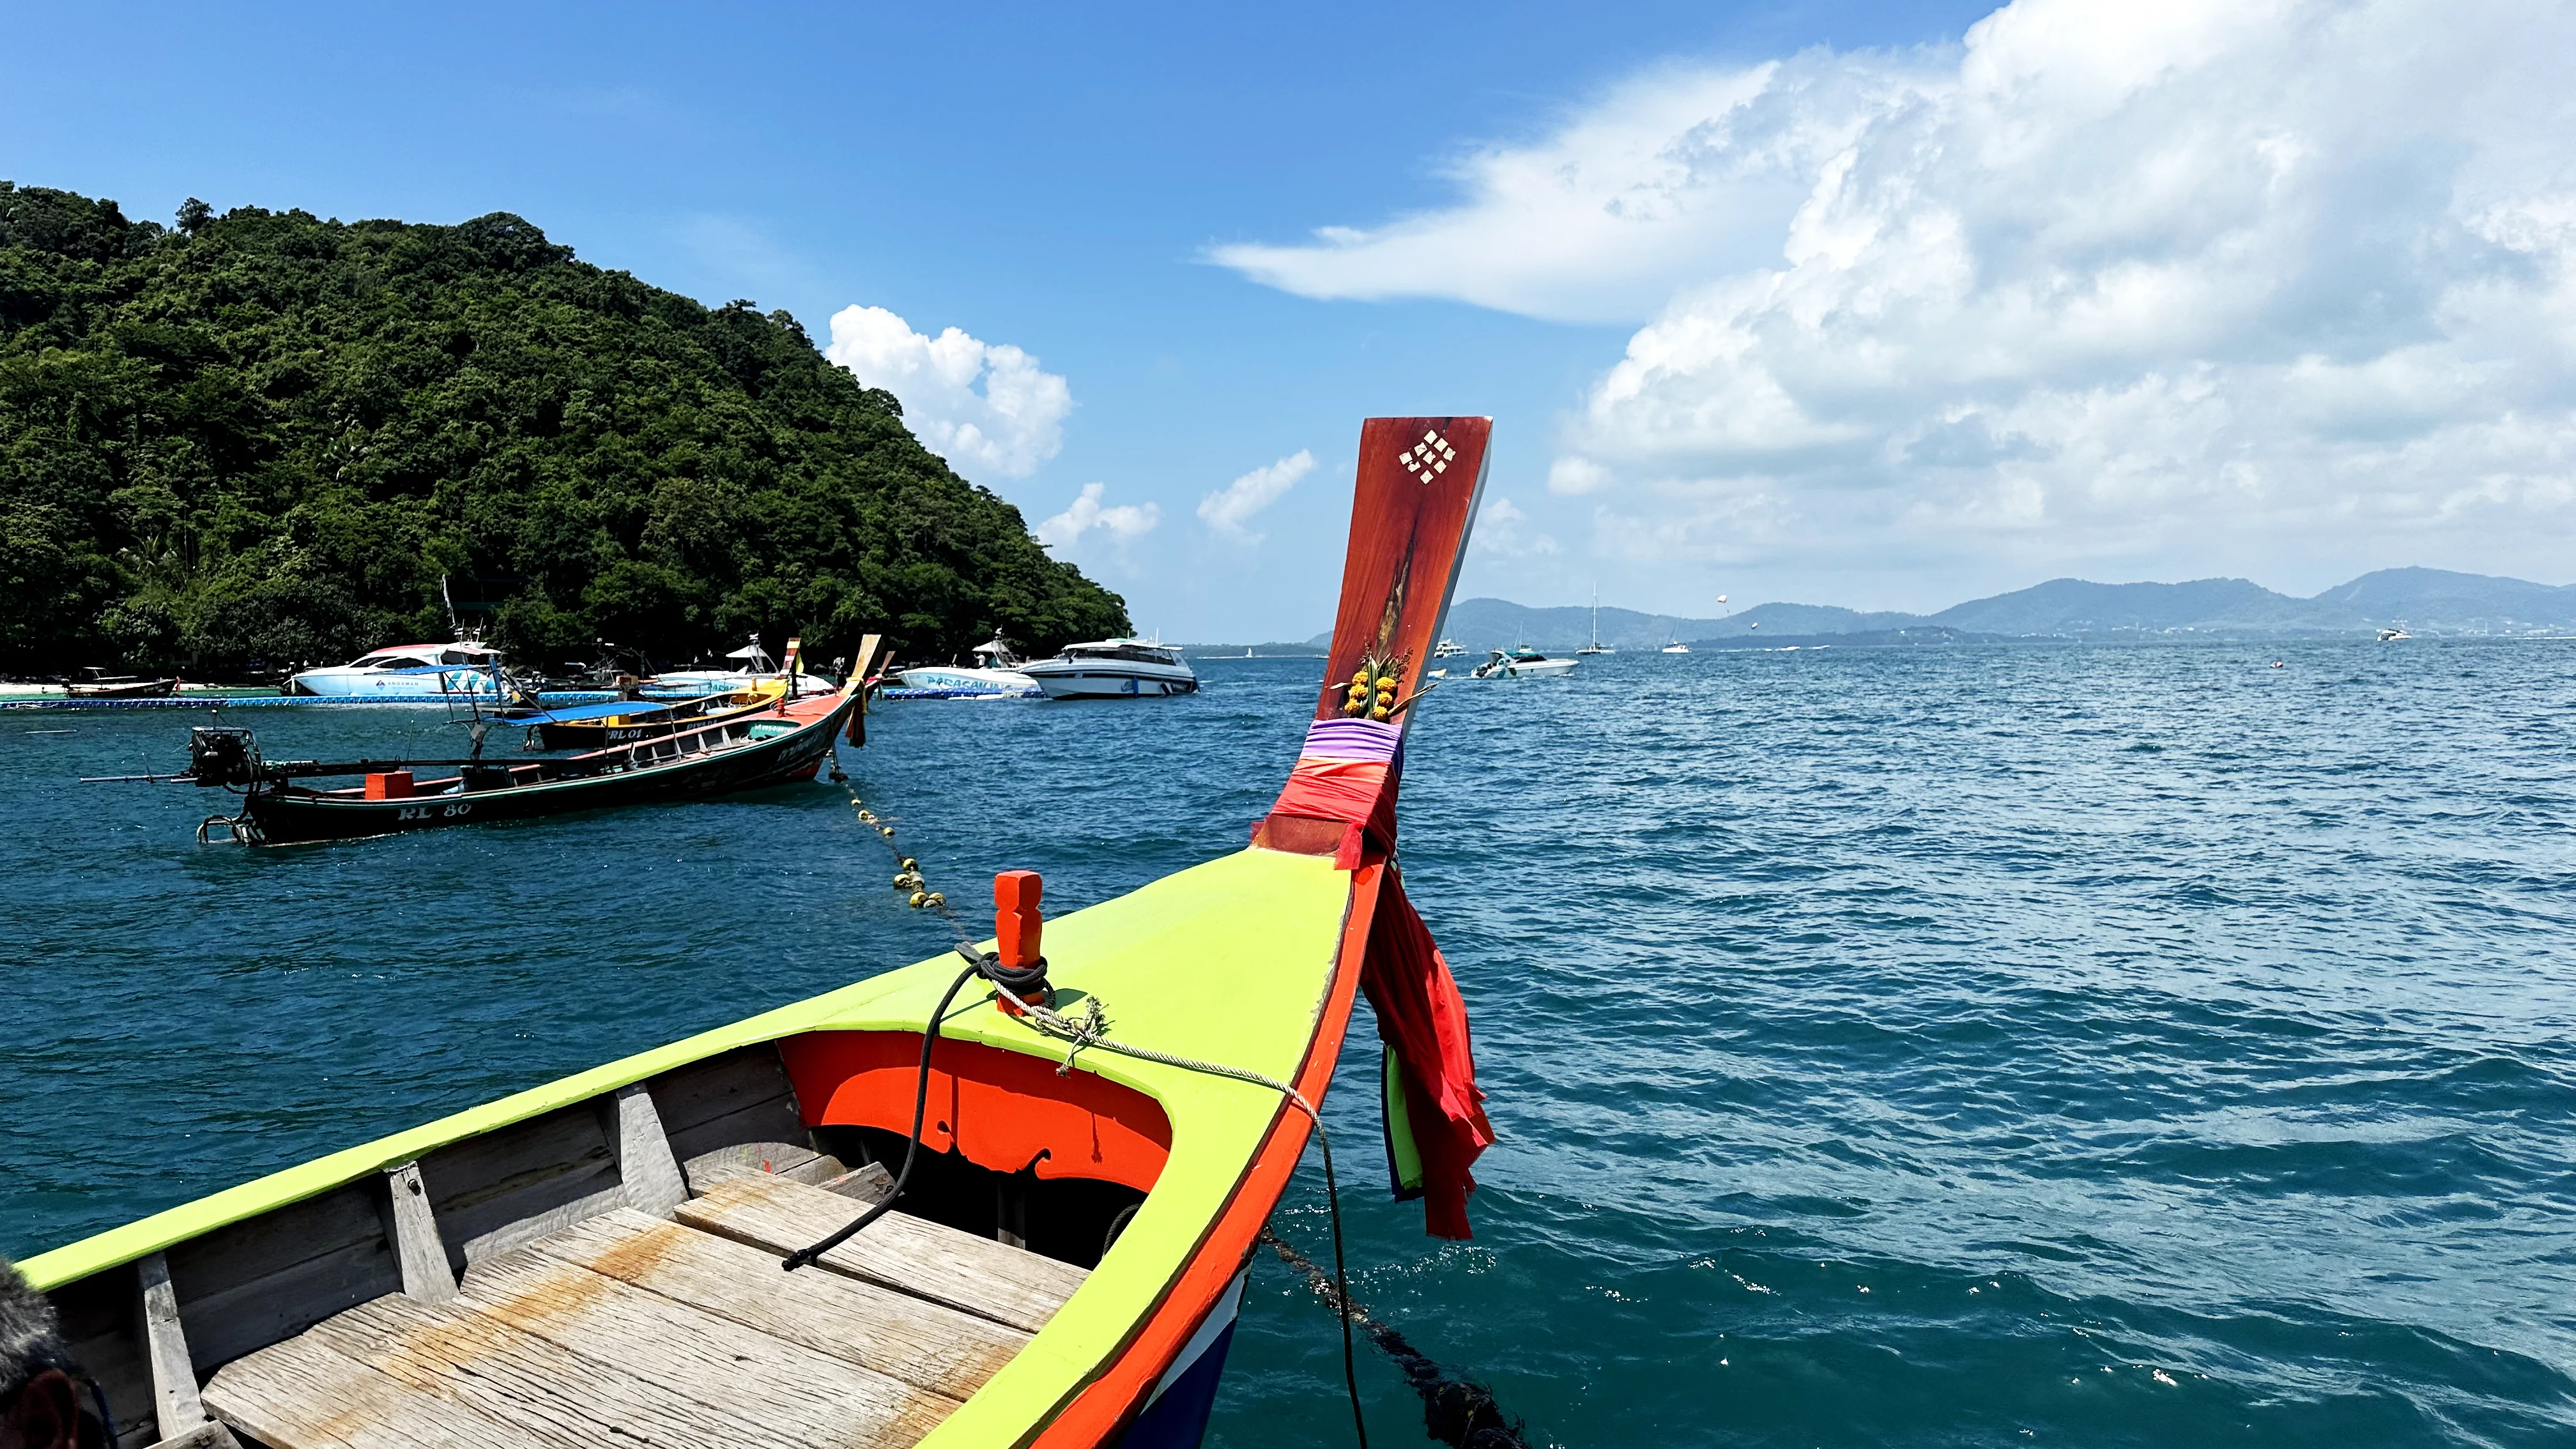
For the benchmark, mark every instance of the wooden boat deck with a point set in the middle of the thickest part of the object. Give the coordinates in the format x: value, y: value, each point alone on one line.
x: 630, y: 1328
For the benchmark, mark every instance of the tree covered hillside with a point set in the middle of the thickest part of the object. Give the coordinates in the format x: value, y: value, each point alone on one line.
x: 265, y: 437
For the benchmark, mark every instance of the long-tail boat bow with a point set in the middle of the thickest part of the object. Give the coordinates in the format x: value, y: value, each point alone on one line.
x: 597, y: 1260
x: 1409, y: 524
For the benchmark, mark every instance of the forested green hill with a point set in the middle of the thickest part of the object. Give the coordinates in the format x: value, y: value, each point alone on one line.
x: 264, y: 437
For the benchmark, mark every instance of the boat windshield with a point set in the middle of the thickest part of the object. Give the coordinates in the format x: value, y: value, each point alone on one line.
x: 393, y: 661
x: 1123, y: 649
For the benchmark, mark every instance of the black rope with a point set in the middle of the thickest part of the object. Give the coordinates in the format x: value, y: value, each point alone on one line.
x: 1341, y: 1286
x: 1454, y: 1412
x: 912, y: 1150
x: 1019, y: 981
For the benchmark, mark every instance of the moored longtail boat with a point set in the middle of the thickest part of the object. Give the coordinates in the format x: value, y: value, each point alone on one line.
x: 776, y: 743
x: 122, y: 688
x: 599, y: 1260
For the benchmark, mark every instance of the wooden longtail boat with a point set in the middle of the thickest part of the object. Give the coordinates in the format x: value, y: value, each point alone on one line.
x: 599, y: 726
x: 122, y: 687
x: 599, y: 1260
x: 784, y: 741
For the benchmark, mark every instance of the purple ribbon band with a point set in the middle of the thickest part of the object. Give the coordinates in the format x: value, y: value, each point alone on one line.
x: 1353, y: 739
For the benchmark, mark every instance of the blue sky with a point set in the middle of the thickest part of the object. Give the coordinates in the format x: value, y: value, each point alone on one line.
x: 1846, y: 303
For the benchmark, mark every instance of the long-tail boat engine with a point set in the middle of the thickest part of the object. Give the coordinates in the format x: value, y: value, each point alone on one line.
x: 221, y: 756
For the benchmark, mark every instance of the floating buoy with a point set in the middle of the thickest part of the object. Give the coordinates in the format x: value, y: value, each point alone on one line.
x: 934, y: 900
x: 919, y: 899
x: 907, y: 863
x: 886, y: 830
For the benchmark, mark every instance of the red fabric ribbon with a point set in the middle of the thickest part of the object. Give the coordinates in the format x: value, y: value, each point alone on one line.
x: 1421, y: 1015
x: 1357, y: 793
x: 1419, y: 1011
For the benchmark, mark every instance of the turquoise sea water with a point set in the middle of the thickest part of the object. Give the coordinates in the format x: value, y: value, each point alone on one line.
x: 2049, y: 1045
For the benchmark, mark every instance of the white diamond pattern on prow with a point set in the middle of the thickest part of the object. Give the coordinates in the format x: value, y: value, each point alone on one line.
x: 1429, y: 458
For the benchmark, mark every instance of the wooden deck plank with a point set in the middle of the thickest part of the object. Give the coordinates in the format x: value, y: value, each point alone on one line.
x: 929, y: 1345
x: 736, y: 1159
x: 992, y: 1280
x: 554, y: 1396
x: 300, y: 1395
x: 745, y: 1375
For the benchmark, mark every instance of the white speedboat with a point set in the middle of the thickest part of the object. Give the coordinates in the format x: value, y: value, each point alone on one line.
x: 1111, y: 669
x: 1448, y: 649
x: 996, y: 671
x: 2392, y: 635
x: 408, y: 671
x: 1675, y: 647
x: 1523, y: 663
x: 755, y: 667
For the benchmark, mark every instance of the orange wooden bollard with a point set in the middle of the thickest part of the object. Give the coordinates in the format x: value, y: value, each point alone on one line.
x: 1017, y: 924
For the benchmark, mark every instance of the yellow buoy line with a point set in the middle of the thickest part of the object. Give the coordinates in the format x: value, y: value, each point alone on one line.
x: 908, y: 876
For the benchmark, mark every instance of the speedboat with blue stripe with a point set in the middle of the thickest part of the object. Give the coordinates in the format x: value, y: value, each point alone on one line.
x: 408, y: 671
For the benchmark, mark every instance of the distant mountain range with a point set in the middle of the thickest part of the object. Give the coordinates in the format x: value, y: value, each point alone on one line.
x: 2427, y: 601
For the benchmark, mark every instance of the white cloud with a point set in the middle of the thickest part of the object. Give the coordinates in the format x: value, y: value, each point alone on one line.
x: 2194, y: 280
x: 1670, y: 177
x: 1230, y: 508
x: 1123, y: 523
x: 1573, y: 477
x: 1504, y: 531
x: 985, y: 407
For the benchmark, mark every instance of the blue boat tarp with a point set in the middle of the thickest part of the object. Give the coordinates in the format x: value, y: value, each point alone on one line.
x: 601, y: 710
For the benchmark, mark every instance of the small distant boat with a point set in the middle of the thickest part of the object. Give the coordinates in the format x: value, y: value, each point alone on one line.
x: 1448, y: 649
x: 2392, y: 635
x: 1523, y: 663
x: 103, y: 685
x: 1596, y: 646
x: 996, y: 671
x: 755, y: 667
x: 463, y: 666
x: 1113, y: 669
x: 1675, y: 647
